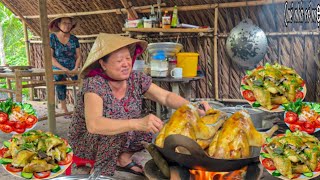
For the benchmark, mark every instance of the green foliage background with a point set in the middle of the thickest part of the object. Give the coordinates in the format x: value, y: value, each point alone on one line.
x: 14, y: 45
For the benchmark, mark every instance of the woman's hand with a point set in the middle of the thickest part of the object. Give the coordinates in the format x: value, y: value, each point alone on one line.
x: 206, y: 106
x: 149, y: 123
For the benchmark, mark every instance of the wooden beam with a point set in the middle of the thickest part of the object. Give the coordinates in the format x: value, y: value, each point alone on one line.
x: 48, y: 64
x: 16, y: 12
x: 292, y: 33
x: 215, y: 54
x: 132, y: 14
x: 221, y: 5
x: 177, y: 30
x: 118, y: 11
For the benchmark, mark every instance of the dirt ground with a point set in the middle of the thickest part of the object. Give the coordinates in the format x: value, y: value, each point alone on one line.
x: 62, y: 130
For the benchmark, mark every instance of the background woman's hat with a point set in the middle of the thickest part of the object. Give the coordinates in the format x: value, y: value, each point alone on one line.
x: 53, y: 25
x: 106, y: 44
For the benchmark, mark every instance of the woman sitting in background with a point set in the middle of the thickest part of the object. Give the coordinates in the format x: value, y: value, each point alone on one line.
x: 65, y: 50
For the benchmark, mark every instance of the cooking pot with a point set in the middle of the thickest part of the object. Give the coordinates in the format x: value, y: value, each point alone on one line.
x: 256, y: 115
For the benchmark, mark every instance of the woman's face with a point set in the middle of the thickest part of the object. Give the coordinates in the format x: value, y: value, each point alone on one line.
x: 65, y: 24
x: 118, y: 65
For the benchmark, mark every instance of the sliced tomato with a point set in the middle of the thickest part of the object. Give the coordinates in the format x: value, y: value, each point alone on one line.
x: 42, y: 175
x: 295, y: 127
x: 290, y: 119
x: 244, y: 80
x: 3, y: 117
x: 296, y: 176
x: 65, y: 141
x: 19, y: 125
x: 275, y: 106
x: 293, y: 114
x: 19, y: 130
x: 317, y: 122
x: 299, y: 95
x: 11, y: 123
x: 259, y: 67
x: 309, y: 127
x: 11, y: 168
x: 268, y: 164
x: 6, y: 128
x: 300, y: 123
x: 303, y: 83
x: 67, y: 160
x: 3, y: 151
x: 318, y: 167
x: 248, y: 95
x: 31, y: 120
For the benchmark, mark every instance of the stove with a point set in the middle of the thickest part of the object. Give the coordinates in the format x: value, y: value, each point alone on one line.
x: 253, y: 171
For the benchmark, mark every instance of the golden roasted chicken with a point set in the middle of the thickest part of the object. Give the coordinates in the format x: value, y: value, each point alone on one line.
x: 232, y: 141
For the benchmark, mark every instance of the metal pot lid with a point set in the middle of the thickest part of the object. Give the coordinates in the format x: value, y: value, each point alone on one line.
x: 169, y: 48
x: 247, y: 44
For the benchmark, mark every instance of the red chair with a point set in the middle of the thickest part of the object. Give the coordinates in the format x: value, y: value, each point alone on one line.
x: 79, y: 162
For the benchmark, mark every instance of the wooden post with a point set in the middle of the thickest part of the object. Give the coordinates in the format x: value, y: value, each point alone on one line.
x: 48, y: 64
x: 10, y: 94
x: 26, y: 40
x: 18, y: 90
x: 215, y: 54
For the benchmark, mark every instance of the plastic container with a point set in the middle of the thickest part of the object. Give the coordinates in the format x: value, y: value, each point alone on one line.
x: 159, y: 65
x: 147, y: 23
x: 189, y: 63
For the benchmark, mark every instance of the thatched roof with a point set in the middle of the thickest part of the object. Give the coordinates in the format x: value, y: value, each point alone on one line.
x: 113, y: 22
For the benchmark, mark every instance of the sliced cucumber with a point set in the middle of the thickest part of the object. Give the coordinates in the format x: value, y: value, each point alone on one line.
x: 308, y: 174
x: 26, y: 175
x: 288, y: 132
x: 245, y: 87
x: 6, y: 144
x: 256, y: 104
x: 276, y: 173
x: 56, y: 168
x: 5, y: 161
x: 268, y: 139
x: 265, y: 155
x: 68, y: 150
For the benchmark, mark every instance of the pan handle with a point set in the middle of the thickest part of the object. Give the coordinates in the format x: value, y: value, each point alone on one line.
x: 176, y: 140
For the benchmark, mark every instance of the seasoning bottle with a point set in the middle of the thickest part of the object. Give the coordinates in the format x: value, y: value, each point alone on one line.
x: 166, y: 20
x: 174, y: 20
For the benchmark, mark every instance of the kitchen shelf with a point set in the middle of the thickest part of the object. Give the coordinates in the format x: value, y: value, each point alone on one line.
x: 171, y: 30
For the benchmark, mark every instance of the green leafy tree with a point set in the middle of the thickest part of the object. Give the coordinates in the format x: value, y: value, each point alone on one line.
x: 13, y: 38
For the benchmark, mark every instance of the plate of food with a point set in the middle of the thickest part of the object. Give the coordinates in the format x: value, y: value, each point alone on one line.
x: 16, y: 118
x: 36, y: 155
x: 23, y: 68
x: 293, y: 155
x: 271, y: 86
x: 302, y: 116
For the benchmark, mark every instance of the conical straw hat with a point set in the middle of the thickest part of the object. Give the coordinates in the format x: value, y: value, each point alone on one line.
x: 53, y: 25
x: 104, y: 45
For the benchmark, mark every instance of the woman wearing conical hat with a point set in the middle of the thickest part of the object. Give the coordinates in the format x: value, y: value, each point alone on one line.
x: 107, y: 125
x: 65, y: 51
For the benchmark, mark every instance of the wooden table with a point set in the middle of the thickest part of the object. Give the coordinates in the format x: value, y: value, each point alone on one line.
x: 175, y: 82
x: 28, y: 76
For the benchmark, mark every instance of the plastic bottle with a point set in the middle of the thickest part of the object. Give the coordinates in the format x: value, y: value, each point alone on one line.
x: 166, y: 20
x: 174, y: 20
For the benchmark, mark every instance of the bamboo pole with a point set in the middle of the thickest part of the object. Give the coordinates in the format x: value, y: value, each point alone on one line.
x: 16, y: 12
x: 48, y: 64
x: 292, y: 33
x: 215, y: 54
x: 80, y: 41
x: 130, y: 10
x: 26, y: 40
x: 221, y: 5
x: 118, y: 11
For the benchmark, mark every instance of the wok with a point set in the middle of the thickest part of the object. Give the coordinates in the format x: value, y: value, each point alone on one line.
x: 198, y: 159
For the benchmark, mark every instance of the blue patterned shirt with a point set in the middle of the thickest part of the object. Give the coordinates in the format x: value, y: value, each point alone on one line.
x: 65, y: 54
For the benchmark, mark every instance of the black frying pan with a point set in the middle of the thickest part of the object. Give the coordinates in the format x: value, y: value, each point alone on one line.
x: 199, y: 159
